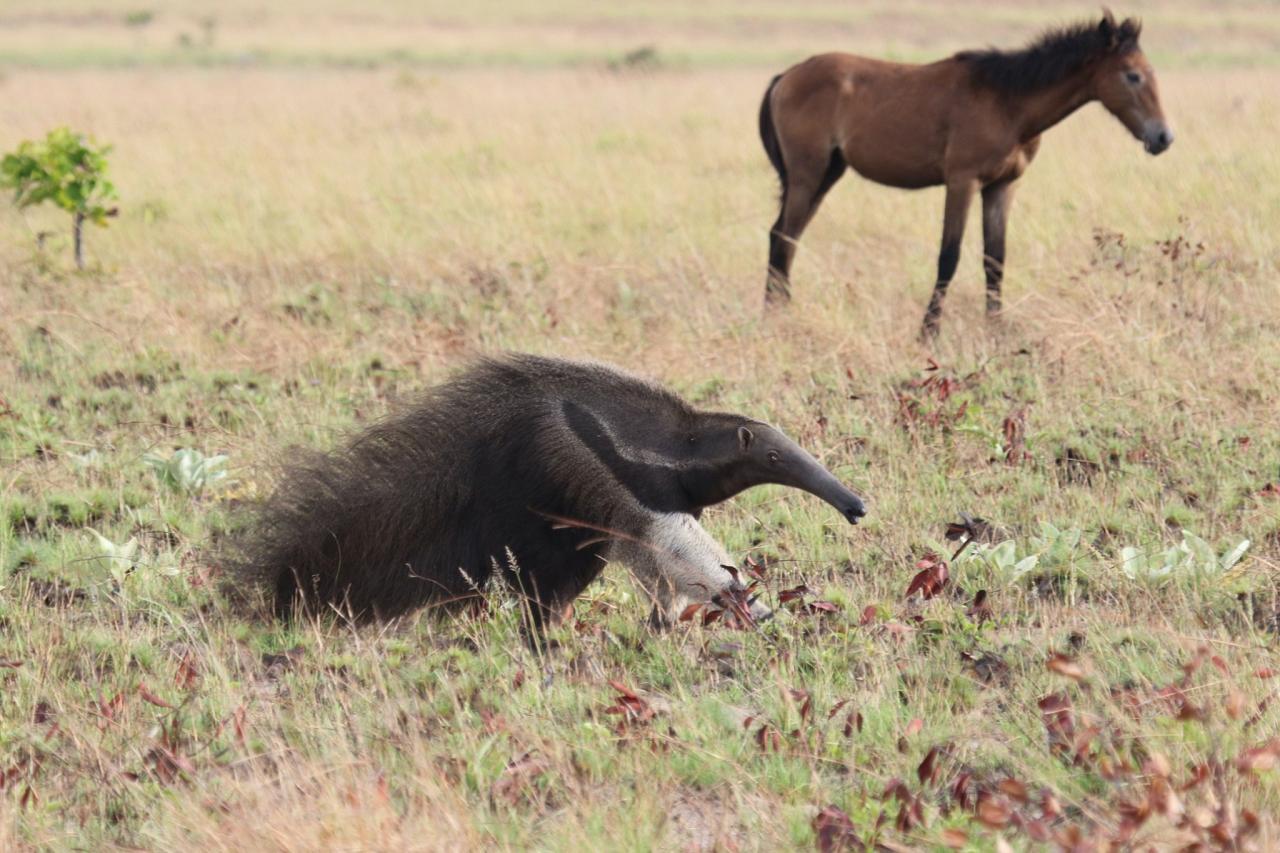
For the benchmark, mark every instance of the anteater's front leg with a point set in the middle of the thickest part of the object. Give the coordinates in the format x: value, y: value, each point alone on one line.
x: 678, y: 563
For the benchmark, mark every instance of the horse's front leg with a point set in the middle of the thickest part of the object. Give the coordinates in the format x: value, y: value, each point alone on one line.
x: 996, y: 199
x: 959, y: 195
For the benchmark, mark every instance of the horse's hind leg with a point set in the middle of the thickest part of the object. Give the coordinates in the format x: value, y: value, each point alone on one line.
x: 808, y: 179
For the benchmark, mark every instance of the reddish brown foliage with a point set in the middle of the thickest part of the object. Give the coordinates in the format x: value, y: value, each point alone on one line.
x: 1015, y: 437
x: 148, y: 696
x: 834, y: 831
x: 931, y: 578
x: 1065, y: 666
x: 628, y: 705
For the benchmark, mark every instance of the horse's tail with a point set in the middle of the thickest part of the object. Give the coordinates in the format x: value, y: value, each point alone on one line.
x: 769, y: 133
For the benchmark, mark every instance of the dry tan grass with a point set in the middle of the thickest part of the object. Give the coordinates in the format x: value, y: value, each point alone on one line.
x: 284, y: 228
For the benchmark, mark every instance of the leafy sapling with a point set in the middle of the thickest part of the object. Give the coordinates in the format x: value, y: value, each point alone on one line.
x: 65, y: 168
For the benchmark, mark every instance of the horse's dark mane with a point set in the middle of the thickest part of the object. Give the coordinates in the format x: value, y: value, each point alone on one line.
x: 1053, y: 56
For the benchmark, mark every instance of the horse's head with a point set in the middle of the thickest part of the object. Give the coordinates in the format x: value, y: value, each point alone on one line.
x: 1125, y: 83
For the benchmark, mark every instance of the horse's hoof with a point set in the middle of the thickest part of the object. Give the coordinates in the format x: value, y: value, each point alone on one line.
x: 776, y: 297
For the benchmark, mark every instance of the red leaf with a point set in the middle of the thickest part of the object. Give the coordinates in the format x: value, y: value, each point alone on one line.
x: 927, y: 772
x: 821, y: 607
x: 1256, y: 716
x: 109, y: 708
x: 148, y: 696
x: 631, y: 707
x: 1199, y: 774
x: 962, y: 789
x: 1235, y: 703
x: 238, y: 723
x: 980, y: 609
x: 623, y: 689
x: 1262, y: 757
x: 1014, y: 789
x: 1065, y: 666
x: 896, y: 789
x: 1189, y: 712
x: 806, y: 707
x: 868, y: 615
x: 994, y: 812
x: 910, y: 815
x: 768, y: 738
x: 931, y: 578
x: 834, y: 831
x: 795, y: 592
x: 1059, y: 722
x: 1049, y: 805
x: 690, y: 611
x: 188, y: 673
x: 168, y: 764
x: 915, y: 727
x: 10, y: 664
x: 1015, y: 437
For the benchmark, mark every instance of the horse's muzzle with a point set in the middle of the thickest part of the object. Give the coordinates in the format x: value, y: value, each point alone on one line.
x: 1157, y: 141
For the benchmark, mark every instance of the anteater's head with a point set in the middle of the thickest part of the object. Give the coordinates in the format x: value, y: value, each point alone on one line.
x: 726, y: 454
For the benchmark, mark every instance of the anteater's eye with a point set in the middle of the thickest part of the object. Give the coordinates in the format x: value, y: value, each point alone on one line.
x: 1132, y: 77
x: 693, y: 439
x: 772, y: 456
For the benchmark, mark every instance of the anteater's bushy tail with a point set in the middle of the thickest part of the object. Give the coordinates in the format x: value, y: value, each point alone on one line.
x: 342, y: 528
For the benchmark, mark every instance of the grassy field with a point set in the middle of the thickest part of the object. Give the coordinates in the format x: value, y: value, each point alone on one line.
x: 327, y: 206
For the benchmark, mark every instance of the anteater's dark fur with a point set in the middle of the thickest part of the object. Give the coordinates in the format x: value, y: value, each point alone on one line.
x: 419, y: 508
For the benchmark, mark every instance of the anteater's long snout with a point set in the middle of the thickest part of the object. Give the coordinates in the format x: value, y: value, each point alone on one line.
x: 811, y: 477
x: 846, y: 502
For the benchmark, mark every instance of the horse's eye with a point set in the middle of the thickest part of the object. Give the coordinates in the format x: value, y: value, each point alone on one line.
x: 1133, y: 77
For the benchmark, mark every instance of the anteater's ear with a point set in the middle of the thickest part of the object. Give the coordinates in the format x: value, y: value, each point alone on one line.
x: 745, y: 437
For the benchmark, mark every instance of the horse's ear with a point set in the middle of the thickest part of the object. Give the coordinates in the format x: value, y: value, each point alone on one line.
x: 1127, y: 36
x: 1107, y: 26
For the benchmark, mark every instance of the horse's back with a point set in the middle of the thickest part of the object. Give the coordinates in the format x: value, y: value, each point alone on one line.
x: 889, y: 119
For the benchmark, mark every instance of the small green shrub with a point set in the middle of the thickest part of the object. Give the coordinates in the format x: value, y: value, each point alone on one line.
x: 67, y: 169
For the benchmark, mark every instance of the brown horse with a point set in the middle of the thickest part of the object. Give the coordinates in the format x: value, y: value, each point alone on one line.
x: 970, y: 123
